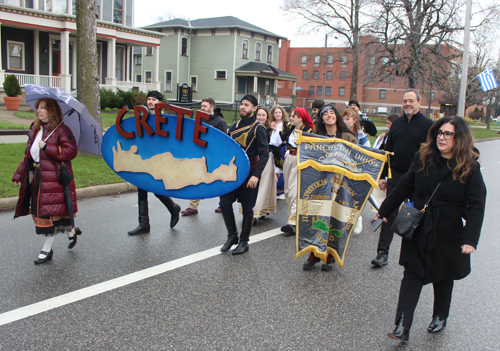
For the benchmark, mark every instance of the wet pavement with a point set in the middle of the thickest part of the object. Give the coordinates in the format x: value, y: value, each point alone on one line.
x: 173, y: 290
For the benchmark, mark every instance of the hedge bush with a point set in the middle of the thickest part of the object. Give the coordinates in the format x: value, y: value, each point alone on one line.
x: 120, y: 98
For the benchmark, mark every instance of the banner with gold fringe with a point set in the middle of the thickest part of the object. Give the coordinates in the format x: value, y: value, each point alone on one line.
x: 335, y: 180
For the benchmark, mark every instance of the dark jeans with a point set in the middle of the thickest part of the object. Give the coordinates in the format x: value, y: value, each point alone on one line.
x: 386, y: 233
x: 409, y: 293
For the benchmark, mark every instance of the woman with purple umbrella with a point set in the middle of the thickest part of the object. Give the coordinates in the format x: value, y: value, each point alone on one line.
x: 51, y: 145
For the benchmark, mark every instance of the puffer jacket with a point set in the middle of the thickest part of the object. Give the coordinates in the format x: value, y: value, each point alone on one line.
x: 61, y: 147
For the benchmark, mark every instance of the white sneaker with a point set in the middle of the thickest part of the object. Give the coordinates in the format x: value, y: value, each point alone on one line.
x: 359, y: 226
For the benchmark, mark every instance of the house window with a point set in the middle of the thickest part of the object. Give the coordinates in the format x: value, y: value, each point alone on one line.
x: 316, y: 59
x: 372, y: 60
x: 328, y: 91
x: 16, y: 55
x: 244, y: 52
x: 184, y: 47
x: 11, y: 2
x: 270, y: 53
x: 304, y: 59
x: 343, y: 75
x: 138, y: 60
x: 138, y: 78
x: 304, y: 74
x: 384, y: 77
x: 97, y: 9
x: 316, y: 74
x: 258, y: 48
x: 56, y: 6
x: 149, y: 51
x: 343, y: 61
x: 330, y: 59
x: 397, y: 110
x: 267, y: 90
x: 168, y: 81
x: 29, y: 4
x: 119, y: 62
x: 382, y: 94
x: 148, y: 76
x: 118, y: 11
x: 311, y: 90
x: 319, y: 91
x: 342, y: 91
x: 220, y: 74
x: 329, y: 75
x: 392, y: 78
x: 194, y: 83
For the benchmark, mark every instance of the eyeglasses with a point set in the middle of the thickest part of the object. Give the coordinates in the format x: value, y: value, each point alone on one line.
x: 447, y: 135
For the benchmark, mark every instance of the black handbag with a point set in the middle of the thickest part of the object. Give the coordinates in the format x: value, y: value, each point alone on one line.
x: 409, y: 218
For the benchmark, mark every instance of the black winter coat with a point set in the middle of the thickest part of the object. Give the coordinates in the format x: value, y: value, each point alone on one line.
x: 435, y: 251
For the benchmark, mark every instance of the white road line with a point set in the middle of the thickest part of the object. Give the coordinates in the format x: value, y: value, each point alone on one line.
x: 74, y: 296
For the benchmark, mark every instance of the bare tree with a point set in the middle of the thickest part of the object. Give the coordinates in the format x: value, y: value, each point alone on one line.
x: 86, y: 57
x: 421, y: 38
x: 167, y: 16
x: 340, y: 17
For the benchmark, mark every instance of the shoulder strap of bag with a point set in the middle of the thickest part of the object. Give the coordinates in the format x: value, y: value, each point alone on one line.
x: 428, y: 201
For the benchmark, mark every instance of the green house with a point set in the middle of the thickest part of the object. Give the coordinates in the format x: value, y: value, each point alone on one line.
x: 224, y: 58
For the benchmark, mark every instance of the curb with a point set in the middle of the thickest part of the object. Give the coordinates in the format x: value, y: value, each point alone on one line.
x: 9, y: 203
x: 14, y: 132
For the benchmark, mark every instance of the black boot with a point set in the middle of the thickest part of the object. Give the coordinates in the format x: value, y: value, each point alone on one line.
x: 437, y: 324
x: 400, y: 333
x: 143, y: 226
x: 172, y: 207
x: 232, y: 231
x: 246, y: 227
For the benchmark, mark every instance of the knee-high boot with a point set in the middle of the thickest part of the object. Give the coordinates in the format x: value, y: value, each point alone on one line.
x: 232, y: 231
x: 143, y: 226
x: 172, y: 207
x: 246, y: 227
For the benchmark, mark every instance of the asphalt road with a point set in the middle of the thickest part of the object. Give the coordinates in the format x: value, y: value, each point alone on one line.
x: 173, y: 290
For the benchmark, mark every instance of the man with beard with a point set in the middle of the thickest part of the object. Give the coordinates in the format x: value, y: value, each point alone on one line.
x: 252, y: 137
x: 404, y: 138
x: 154, y: 97
x: 217, y: 121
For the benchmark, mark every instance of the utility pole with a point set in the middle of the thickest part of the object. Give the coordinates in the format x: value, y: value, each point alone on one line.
x: 324, y: 71
x: 465, y: 61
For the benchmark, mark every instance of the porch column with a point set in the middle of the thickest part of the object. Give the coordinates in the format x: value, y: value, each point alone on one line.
x: 128, y: 70
x: 2, y: 72
x: 69, y: 7
x: 110, y: 79
x: 255, y: 84
x: 294, y: 89
x: 36, y: 35
x: 156, y: 79
x: 65, y: 77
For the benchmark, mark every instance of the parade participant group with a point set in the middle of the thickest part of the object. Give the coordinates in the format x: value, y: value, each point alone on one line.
x: 423, y: 154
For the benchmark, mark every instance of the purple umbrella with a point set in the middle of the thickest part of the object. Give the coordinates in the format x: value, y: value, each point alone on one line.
x: 76, y: 116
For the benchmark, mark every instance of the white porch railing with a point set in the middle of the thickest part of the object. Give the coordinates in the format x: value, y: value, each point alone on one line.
x: 49, y: 81
x: 284, y: 101
x: 145, y: 87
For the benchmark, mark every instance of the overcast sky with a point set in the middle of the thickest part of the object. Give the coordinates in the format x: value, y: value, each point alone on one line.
x: 265, y: 14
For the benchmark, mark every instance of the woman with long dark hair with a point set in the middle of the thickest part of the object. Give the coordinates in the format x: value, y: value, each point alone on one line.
x: 439, y: 252
x: 50, y: 145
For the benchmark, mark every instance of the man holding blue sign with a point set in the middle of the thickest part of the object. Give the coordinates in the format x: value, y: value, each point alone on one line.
x: 154, y: 97
x: 252, y: 137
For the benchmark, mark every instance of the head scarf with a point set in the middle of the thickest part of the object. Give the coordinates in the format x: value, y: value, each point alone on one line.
x: 302, y: 112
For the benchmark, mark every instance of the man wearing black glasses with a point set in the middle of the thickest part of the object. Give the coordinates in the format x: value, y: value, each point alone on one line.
x: 405, y: 136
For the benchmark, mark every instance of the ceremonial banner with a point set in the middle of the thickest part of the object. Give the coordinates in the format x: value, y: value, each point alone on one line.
x: 334, y: 182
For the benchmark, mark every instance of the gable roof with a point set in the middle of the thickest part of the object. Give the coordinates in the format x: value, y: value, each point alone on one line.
x: 263, y: 69
x: 215, y: 22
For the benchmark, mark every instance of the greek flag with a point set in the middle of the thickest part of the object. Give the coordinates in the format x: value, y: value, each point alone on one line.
x: 487, y: 80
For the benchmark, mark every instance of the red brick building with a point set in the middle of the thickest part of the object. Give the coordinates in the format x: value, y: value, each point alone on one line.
x: 377, y: 95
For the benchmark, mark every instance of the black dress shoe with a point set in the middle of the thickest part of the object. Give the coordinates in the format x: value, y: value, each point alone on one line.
x: 330, y: 262
x: 400, y: 333
x: 141, y: 229
x: 381, y: 260
x: 436, y: 325
x: 48, y: 257
x: 175, y: 216
x: 76, y: 232
x: 311, y: 262
x: 288, y: 229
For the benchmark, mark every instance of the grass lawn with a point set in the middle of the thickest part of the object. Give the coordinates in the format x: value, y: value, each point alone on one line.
x: 88, y: 169
x: 11, y: 126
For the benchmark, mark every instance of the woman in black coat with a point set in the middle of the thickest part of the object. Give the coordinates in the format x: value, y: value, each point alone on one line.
x: 439, y: 252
